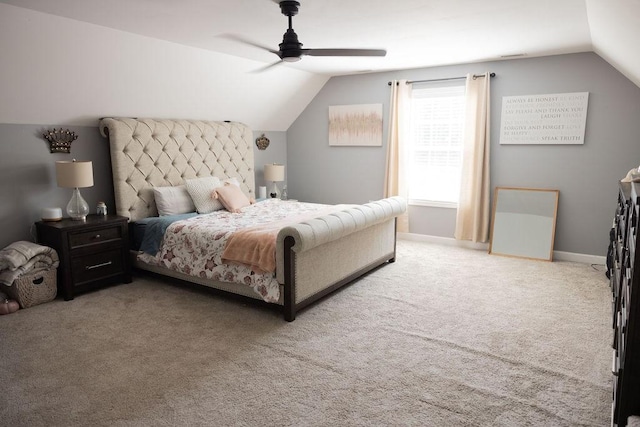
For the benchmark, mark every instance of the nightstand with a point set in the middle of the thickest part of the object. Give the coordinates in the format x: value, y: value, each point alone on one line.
x: 92, y: 252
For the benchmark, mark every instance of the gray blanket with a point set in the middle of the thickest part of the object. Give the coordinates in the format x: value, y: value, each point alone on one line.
x: 23, y: 258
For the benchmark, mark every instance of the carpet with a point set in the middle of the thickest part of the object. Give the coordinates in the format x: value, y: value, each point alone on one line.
x: 443, y: 336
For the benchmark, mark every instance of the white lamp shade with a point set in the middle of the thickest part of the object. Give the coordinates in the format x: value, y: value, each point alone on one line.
x: 74, y: 174
x: 274, y: 172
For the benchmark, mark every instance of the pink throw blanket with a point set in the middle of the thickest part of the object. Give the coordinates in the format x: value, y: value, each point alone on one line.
x: 256, y: 246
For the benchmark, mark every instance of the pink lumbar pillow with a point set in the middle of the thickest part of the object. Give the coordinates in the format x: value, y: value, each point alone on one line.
x: 231, y: 197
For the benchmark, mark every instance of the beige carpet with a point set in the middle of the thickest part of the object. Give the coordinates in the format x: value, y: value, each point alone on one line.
x: 445, y: 336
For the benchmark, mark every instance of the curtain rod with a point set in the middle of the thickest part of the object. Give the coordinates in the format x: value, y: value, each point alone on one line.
x: 475, y: 76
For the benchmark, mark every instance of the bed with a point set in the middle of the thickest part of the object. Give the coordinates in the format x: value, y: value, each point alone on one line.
x: 313, y: 257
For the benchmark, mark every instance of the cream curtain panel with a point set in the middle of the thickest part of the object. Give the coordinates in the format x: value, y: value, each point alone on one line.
x: 472, y: 219
x: 396, y: 176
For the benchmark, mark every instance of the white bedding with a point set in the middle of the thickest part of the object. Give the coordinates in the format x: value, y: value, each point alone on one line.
x: 194, y: 246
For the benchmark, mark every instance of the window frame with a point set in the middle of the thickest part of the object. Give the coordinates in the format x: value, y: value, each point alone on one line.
x: 411, y: 148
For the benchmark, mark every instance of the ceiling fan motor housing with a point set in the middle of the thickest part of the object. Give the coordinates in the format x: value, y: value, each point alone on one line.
x: 290, y: 48
x: 289, y: 8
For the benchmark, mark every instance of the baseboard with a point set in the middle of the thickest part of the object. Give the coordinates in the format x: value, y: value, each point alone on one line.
x: 449, y: 241
x: 557, y: 255
x: 583, y: 258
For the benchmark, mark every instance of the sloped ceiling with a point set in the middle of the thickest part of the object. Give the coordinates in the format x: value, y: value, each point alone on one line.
x: 415, y: 33
x: 615, y: 34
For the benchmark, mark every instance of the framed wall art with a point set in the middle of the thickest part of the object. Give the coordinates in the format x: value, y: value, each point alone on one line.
x: 355, y: 125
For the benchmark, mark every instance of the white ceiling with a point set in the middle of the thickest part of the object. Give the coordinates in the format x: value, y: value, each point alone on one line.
x: 416, y: 33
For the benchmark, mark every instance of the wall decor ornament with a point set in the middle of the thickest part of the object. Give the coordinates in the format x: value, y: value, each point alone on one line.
x: 262, y: 142
x: 60, y: 140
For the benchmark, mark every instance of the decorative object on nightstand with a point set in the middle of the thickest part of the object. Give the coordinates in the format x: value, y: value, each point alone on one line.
x: 101, y: 209
x: 92, y: 252
x: 75, y: 174
x: 51, y: 214
x: 274, y: 173
x: 262, y: 142
x: 262, y: 192
x: 60, y: 140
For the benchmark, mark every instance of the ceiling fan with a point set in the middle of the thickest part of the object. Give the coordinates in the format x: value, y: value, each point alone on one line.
x: 291, y: 49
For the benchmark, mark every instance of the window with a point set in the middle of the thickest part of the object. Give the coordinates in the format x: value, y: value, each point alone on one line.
x: 435, y: 156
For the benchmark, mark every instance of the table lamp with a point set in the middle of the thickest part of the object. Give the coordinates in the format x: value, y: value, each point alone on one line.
x: 274, y: 173
x: 75, y: 175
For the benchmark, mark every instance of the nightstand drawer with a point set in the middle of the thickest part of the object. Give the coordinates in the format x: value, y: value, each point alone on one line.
x: 95, y: 236
x: 97, y: 266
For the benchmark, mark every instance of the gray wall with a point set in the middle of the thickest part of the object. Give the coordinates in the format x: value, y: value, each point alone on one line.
x: 28, y: 181
x: 586, y: 175
x: 27, y: 174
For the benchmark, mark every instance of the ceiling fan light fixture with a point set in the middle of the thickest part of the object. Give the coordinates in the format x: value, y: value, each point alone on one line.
x: 291, y: 50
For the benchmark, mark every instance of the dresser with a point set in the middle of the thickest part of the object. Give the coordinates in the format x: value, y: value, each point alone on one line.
x: 625, y: 288
x: 92, y: 252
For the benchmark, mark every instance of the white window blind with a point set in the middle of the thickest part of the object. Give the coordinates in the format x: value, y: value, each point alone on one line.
x: 437, y: 122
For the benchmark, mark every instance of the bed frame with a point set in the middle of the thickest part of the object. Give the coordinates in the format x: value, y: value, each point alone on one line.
x: 313, y: 258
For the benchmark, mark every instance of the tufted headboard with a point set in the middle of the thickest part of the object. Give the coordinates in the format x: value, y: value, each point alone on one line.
x: 147, y: 153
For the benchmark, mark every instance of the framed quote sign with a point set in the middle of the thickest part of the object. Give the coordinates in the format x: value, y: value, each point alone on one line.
x: 544, y: 119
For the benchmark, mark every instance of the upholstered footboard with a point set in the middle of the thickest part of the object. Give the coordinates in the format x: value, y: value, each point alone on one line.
x: 318, y: 256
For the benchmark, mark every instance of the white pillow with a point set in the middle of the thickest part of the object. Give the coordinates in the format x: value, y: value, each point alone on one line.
x: 173, y: 200
x: 201, y: 192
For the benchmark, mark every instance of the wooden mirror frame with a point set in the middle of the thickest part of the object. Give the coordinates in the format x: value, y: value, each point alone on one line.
x: 523, y: 214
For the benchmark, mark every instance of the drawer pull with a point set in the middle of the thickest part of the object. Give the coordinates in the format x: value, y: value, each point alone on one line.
x: 104, y: 264
x: 97, y: 236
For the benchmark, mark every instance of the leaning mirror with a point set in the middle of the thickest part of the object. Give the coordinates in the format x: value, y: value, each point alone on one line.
x: 524, y: 222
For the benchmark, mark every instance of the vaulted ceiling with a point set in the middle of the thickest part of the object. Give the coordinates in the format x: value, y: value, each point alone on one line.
x: 415, y: 33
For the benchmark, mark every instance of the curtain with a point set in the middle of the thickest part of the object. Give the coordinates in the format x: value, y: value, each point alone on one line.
x: 396, y: 173
x: 472, y: 219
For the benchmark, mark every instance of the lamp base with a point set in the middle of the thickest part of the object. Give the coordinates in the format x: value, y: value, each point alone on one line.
x: 77, y: 208
x: 275, y: 193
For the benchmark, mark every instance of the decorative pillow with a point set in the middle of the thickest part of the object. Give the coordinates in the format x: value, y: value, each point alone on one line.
x: 200, y: 190
x: 232, y: 197
x: 173, y: 200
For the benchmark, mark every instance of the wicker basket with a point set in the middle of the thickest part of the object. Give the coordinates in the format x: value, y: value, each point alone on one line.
x: 33, y: 289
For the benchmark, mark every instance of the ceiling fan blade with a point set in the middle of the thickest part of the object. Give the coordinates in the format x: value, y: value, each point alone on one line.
x: 344, y: 52
x: 242, y: 40
x: 266, y: 67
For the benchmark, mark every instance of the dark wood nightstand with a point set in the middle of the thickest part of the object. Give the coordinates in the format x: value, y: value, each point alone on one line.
x: 92, y: 252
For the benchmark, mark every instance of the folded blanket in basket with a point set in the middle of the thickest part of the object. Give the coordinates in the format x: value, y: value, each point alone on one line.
x: 25, y: 258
